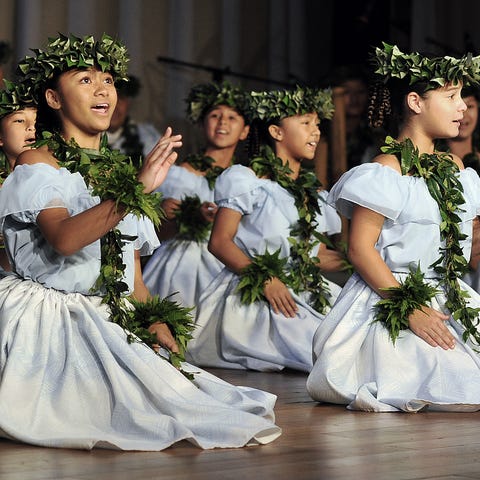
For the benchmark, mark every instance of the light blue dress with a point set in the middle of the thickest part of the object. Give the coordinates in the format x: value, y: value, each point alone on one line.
x: 234, y: 335
x: 356, y: 363
x: 182, y: 267
x: 69, y: 378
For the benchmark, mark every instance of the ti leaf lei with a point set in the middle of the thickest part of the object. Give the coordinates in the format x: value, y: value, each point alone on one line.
x: 441, y: 177
x: 303, y: 273
x: 191, y: 226
x: 204, y: 163
x: 110, y: 175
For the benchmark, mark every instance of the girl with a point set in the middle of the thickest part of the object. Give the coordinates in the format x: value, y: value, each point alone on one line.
x: 403, y: 333
x: 73, y: 374
x: 17, y: 124
x: 17, y: 133
x: 263, y: 308
x: 183, y: 265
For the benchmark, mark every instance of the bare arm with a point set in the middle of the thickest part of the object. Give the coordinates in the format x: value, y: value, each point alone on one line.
x: 221, y: 242
x: 68, y: 234
x: 365, y: 228
x: 141, y: 293
x: 224, y: 248
x: 330, y: 260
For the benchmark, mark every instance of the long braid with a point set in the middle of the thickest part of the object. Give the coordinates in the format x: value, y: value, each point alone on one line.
x: 379, y: 108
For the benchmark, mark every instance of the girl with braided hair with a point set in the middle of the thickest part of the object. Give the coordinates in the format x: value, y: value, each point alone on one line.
x: 271, y: 233
x: 76, y: 321
x: 403, y: 334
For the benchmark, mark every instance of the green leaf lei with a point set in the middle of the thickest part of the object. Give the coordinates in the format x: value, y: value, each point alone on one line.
x: 111, y: 175
x: 204, y: 163
x: 441, y: 177
x: 303, y: 273
x: 412, y: 294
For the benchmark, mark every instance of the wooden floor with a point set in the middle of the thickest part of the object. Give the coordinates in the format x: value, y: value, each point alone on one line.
x: 318, y: 442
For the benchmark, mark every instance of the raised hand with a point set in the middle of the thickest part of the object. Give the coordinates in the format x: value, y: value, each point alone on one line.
x: 157, y: 163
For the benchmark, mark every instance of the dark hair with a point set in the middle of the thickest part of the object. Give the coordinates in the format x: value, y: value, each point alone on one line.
x: 387, y: 106
x: 128, y: 88
x: 258, y: 136
x: 47, y: 118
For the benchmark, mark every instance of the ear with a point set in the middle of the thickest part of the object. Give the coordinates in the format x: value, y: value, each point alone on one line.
x: 53, y: 99
x: 244, y: 133
x: 413, y: 102
x: 276, y: 132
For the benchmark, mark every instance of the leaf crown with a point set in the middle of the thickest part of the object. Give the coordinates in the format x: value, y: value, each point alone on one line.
x: 203, y: 97
x: 13, y: 97
x: 436, y: 72
x: 278, y: 104
x: 64, y: 53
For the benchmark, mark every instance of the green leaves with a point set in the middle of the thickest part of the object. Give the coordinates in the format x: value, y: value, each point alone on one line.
x: 66, y: 52
x: 278, y: 104
x: 204, y: 163
x: 205, y: 96
x: 390, y: 62
x: 190, y: 223
x: 262, y: 269
x: 412, y: 294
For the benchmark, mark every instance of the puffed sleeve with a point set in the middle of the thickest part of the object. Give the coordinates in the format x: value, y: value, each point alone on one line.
x: 371, y: 185
x: 240, y: 189
x: 30, y: 189
x: 147, y: 240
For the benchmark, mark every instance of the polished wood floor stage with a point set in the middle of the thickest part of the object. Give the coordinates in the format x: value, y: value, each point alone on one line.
x: 318, y: 442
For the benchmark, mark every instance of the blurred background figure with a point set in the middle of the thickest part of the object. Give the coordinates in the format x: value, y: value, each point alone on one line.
x: 132, y: 138
x: 5, y: 54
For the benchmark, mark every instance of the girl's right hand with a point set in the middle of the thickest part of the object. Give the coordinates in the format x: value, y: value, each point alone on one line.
x: 157, y: 163
x: 279, y: 297
x: 429, y: 325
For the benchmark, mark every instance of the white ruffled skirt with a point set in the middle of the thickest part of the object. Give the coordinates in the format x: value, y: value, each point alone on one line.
x: 230, y: 334
x: 70, y: 379
x: 181, y: 267
x: 357, y: 364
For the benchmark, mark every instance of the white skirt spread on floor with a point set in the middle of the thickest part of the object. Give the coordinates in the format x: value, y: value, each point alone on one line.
x: 70, y: 379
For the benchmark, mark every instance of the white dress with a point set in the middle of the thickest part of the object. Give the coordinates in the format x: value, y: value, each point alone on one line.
x: 182, y: 267
x: 234, y: 335
x: 356, y: 363
x: 69, y: 378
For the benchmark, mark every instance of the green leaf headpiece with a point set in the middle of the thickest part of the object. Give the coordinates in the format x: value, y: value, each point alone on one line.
x: 390, y: 62
x: 278, y: 104
x: 14, y: 97
x: 67, y: 52
x: 205, y: 96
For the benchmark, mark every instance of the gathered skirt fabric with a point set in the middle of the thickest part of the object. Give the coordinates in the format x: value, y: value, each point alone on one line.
x: 69, y: 378
x: 182, y: 269
x: 231, y: 334
x: 357, y: 364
